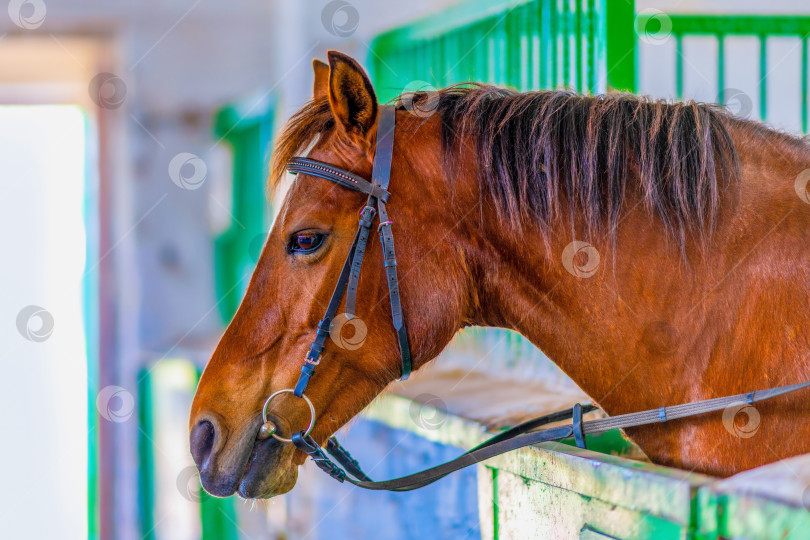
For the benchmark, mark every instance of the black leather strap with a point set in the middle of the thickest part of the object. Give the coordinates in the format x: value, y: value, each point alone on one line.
x: 390, y: 264
x: 308, y: 445
x: 337, y: 175
x: 324, y: 326
x: 576, y: 423
x: 381, y: 176
x: 345, y: 459
x: 366, y: 218
x: 347, y: 283
x: 499, y: 444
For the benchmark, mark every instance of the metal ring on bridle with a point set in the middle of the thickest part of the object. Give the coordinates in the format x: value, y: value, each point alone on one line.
x: 305, y: 398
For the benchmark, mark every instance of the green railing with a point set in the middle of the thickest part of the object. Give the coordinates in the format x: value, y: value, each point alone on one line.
x: 248, y: 129
x: 586, y: 45
x: 760, y: 27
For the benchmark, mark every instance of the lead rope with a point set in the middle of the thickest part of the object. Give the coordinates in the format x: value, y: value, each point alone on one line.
x: 516, y: 438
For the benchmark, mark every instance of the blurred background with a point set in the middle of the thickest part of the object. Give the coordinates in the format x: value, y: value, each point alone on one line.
x: 134, y: 139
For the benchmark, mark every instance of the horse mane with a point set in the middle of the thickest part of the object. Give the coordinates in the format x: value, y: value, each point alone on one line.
x: 538, y: 149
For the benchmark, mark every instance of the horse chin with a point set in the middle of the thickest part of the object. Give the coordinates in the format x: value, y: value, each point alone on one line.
x: 270, y: 471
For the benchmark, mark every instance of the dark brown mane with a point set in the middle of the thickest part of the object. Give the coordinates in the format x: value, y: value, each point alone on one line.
x: 536, y: 149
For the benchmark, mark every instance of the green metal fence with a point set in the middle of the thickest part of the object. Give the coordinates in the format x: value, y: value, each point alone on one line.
x: 722, y: 26
x: 586, y: 45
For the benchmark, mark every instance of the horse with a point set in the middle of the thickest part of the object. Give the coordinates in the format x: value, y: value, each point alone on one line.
x: 657, y: 252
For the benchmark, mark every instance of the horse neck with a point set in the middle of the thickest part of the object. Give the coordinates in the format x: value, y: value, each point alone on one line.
x: 608, y: 331
x: 651, y: 326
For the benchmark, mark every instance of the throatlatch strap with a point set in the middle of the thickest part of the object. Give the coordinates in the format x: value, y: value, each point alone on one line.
x: 381, y: 175
x: 390, y: 263
x: 384, y: 149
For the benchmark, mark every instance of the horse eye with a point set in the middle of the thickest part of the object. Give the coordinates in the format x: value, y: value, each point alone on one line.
x: 304, y: 243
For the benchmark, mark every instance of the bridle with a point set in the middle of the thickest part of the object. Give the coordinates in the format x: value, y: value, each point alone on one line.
x: 377, y: 191
x: 347, y: 468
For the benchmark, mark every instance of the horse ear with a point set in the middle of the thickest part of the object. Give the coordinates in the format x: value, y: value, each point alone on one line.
x: 321, y: 86
x: 351, y: 95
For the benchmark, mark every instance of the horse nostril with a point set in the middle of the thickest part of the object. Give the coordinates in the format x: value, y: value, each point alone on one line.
x: 202, y: 441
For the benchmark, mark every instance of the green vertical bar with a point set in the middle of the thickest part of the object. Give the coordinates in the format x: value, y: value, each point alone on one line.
x: 566, y: 44
x: 679, y: 66
x: 444, y: 51
x: 545, y: 43
x: 501, y: 60
x: 578, y: 45
x: 553, y: 42
x: 146, y: 457
x: 536, y: 64
x: 481, y: 53
x: 721, y: 69
x: 511, y: 44
x: 522, y: 40
x: 449, y: 57
x: 621, y: 45
x: 593, y: 51
x: 763, y: 74
x: 804, y: 83
x: 249, y: 137
x: 495, y: 506
x: 218, y: 518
